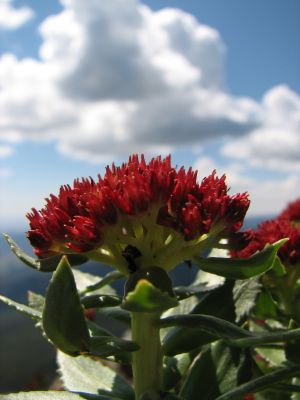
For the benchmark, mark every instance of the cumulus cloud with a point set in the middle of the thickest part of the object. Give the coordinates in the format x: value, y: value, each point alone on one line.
x: 275, y: 145
x: 13, y: 18
x: 115, y: 78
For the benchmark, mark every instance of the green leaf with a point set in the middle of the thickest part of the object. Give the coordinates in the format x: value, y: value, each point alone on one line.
x: 174, y: 369
x: 45, y: 264
x: 22, y: 308
x: 99, y: 301
x: 63, y: 317
x: 229, y: 332
x: 104, y: 346
x: 147, y: 298
x: 242, y: 268
x: 245, y: 293
x: 106, y: 280
x: 181, y: 339
x: 265, y: 306
x: 116, y: 313
x: 36, y: 301
x: 262, y: 382
x: 84, y: 280
x: 278, y: 267
x: 183, y: 292
x: 201, y: 378
x: 217, y: 327
x: 216, y: 370
x: 53, y: 395
x: 83, y: 374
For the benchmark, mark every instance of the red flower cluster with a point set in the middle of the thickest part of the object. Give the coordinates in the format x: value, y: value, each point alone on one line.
x: 76, y: 220
x: 292, y: 212
x: 245, y: 244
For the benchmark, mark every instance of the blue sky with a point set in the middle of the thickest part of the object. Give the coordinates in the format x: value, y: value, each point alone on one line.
x: 215, y: 83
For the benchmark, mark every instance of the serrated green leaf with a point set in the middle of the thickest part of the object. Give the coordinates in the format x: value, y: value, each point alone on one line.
x: 245, y: 294
x: 53, y: 395
x: 147, y: 298
x: 242, y: 268
x: 104, y: 346
x: 83, y: 374
x: 63, y: 317
x: 22, y: 308
x: 262, y: 382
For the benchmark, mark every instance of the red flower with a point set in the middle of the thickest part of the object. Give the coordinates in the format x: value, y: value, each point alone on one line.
x: 292, y: 212
x: 147, y: 205
x: 245, y: 244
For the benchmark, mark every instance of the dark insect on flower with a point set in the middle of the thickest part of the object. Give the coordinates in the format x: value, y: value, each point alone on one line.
x: 130, y: 253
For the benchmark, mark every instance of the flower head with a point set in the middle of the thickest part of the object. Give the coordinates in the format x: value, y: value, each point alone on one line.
x: 292, y: 212
x: 160, y: 211
x: 245, y: 244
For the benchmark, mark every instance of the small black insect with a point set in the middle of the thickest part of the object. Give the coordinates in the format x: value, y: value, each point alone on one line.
x: 130, y: 253
x: 188, y: 263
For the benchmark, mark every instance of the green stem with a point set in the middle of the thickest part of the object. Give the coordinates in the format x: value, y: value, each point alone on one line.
x: 147, y: 362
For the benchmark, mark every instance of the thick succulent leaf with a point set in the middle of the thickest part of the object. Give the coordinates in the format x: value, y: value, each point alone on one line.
x: 174, y: 369
x: 97, y: 284
x: 244, y: 268
x: 296, y: 395
x: 22, y: 308
x: 216, y: 370
x: 63, y: 318
x: 46, y: 264
x: 229, y: 332
x: 104, y: 346
x: 53, y: 395
x: 100, y: 300
x: 245, y: 294
x: 83, y: 374
x: 181, y: 339
x: 262, y: 382
x: 217, y: 327
x: 147, y: 298
x: 265, y: 306
x: 84, y: 280
x: 183, y: 292
x: 116, y: 313
x: 36, y: 301
x: 278, y: 267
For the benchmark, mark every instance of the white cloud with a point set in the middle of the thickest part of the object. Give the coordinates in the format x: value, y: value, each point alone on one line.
x: 13, y: 18
x: 116, y: 78
x: 275, y: 145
